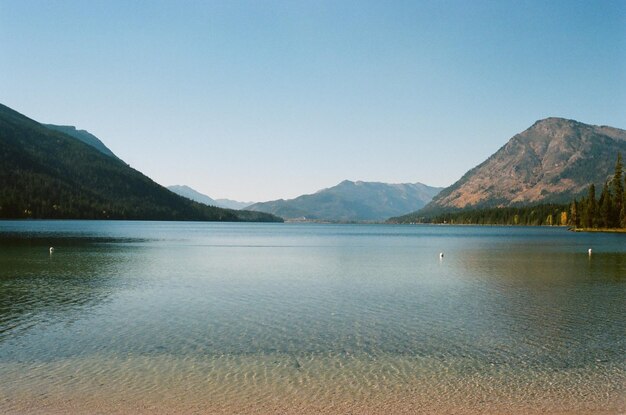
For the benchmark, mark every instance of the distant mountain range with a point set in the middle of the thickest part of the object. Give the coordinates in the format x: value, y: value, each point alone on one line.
x: 53, y: 171
x: 192, y: 194
x: 553, y: 161
x: 48, y: 172
x: 352, y: 202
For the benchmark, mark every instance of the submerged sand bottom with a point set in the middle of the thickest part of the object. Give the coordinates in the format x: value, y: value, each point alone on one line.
x: 286, y: 384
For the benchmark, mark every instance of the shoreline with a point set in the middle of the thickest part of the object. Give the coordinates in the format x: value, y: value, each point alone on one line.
x: 599, y: 230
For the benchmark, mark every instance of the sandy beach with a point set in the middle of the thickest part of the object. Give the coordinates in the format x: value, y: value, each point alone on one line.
x: 576, y: 391
x: 403, y: 405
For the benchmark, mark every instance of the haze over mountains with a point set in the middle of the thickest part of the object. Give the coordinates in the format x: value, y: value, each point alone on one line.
x: 553, y: 161
x: 193, y: 194
x: 48, y: 173
x: 353, y: 202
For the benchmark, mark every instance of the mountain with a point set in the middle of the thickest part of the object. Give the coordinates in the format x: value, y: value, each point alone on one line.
x: 84, y: 136
x: 553, y: 161
x: 45, y: 173
x: 189, y: 193
x: 353, y: 202
x: 192, y: 194
x: 232, y: 204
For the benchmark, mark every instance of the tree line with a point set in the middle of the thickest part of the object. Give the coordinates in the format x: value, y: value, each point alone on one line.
x: 606, y: 212
x: 609, y: 211
x: 537, y: 215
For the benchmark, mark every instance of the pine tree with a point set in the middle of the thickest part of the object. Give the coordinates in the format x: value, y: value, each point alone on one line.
x: 605, y: 208
x: 623, y: 212
x: 591, y: 207
x: 617, y: 193
x: 573, y: 216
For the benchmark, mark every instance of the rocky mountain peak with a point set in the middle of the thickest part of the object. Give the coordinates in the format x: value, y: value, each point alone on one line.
x: 554, y: 160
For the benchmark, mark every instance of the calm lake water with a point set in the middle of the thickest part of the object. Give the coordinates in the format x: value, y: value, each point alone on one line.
x: 203, y: 315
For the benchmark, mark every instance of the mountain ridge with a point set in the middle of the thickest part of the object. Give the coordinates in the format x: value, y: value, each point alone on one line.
x: 84, y: 136
x: 552, y: 161
x: 352, y: 201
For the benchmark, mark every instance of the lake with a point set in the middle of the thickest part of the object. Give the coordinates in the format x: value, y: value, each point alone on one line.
x: 186, y: 317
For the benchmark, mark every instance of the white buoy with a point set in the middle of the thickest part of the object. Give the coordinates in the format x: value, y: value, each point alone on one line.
x: 589, y: 251
x: 51, y: 249
x: 440, y: 255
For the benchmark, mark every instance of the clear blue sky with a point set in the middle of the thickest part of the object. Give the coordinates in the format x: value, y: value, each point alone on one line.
x: 261, y: 100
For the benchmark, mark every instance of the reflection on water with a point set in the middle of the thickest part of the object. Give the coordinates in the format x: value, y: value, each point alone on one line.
x: 347, y: 311
x: 562, y: 309
x: 39, y: 287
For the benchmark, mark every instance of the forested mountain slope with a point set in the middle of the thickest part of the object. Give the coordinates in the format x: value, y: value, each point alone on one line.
x: 48, y: 174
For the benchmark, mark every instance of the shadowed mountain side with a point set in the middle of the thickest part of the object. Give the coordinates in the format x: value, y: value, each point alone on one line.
x: 553, y: 161
x: 48, y: 174
x: 353, y: 202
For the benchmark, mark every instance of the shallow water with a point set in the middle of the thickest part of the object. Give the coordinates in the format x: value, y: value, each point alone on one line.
x: 197, y: 314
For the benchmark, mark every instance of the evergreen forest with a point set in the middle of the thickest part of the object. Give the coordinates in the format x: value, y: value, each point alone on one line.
x: 606, y: 212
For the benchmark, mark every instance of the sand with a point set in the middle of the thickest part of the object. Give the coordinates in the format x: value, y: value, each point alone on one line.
x: 317, y: 386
